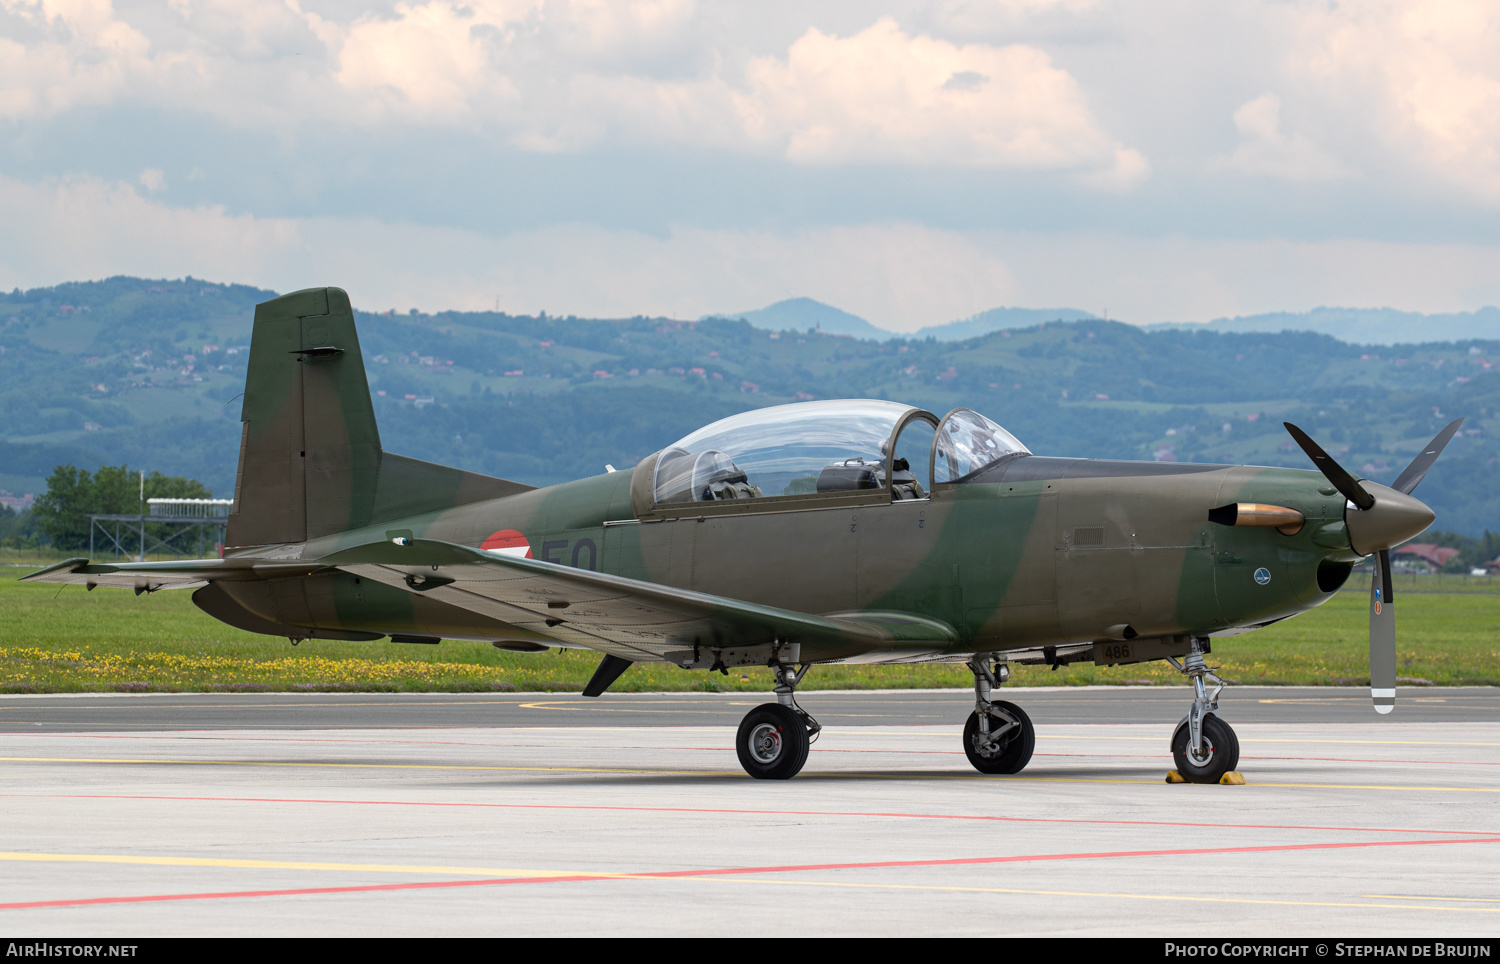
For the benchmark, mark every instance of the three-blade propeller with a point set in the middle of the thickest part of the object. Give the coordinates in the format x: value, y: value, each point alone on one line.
x: 1382, y: 612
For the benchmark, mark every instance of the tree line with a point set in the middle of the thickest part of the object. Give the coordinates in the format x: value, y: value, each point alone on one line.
x: 61, y: 514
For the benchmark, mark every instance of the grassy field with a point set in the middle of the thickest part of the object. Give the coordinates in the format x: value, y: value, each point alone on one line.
x: 68, y: 640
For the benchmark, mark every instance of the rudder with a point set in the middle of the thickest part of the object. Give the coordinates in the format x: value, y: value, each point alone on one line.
x: 309, y: 446
x: 310, y: 458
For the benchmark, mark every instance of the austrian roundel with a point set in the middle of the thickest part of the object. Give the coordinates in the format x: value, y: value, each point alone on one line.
x: 508, y: 542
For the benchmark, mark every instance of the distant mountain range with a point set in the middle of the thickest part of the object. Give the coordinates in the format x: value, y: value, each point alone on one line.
x: 1360, y: 326
x: 1365, y: 326
x: 805, y: 314
x: 150, y: 372
x: 999, y: 319
x: 802, y: 314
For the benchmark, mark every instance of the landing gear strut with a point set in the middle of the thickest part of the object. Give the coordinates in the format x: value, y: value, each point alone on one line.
x: 1204, y: 747
x: 774, y: 738
x: 999, y: 737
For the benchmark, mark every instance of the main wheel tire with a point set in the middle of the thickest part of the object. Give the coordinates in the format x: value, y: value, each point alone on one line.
x: 772, y: 742
x: 1223, y: 751
x: 1014, y: 752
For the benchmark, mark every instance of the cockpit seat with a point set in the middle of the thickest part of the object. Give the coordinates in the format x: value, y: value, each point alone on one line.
x: 851, y: 475
x: 715, y: 477
x: 739, y: 488
x: 904, y: 484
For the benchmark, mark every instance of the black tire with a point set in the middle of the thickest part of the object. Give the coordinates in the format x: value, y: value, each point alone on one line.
x: 772, y: 742
x: 1015, y: 751
x: 1223, y: 750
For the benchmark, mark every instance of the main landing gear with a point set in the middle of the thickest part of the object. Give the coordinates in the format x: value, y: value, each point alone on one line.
x: 999, y: 737
x: 1204, y: 747
x: 774, y: 737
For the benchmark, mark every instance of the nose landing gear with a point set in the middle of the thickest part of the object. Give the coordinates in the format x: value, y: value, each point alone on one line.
x: 774, y: 738
x: 1204, y: 747
x: 998, y: 737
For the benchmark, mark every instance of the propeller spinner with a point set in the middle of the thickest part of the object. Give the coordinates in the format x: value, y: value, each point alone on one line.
x: 1381, y: 517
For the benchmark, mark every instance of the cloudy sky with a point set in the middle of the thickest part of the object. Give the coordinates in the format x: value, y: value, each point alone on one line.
x: 913, y: 163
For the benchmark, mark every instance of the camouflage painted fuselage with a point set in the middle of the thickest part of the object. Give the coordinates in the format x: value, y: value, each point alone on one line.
x: 1039, y: 558
x: 1043, y: 552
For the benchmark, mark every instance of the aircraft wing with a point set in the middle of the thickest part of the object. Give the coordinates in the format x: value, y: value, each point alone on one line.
x: 632, y: 619
x: 152, y: 576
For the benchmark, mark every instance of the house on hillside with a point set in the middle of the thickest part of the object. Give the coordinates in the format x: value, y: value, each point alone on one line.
x: 1434, y: 556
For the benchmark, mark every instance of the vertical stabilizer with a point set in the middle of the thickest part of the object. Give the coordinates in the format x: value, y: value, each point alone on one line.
x: 309, y: 447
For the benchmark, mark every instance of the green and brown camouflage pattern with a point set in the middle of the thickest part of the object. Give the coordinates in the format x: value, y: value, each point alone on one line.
x: 1038, y: 559
x: 310, y: 459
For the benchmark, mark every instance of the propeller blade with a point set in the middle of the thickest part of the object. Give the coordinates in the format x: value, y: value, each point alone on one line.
x: 1382, y: 636
x: 1414, y: 472
x: 1334, y: 472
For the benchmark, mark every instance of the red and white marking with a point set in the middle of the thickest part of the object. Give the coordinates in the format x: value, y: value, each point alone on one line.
x: 508, y: 542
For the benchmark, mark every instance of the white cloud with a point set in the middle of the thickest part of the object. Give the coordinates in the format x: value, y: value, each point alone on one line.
x: 153, y: 179
x: 881, y: 96
x: 898, y: 275
x: 990, y: 19
x: 1264, y: 150
x: 80, y: 55
x: 1426, y: 73
x: 88, y: 228
x: 614, y: 26
x: 568, y: 75
x: 437, y: 58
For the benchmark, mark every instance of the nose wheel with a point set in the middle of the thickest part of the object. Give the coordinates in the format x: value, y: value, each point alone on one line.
x: 1218, y: 754
x: 1204, y: 747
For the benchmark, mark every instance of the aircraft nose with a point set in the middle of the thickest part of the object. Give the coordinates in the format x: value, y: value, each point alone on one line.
x: 1394, y: 518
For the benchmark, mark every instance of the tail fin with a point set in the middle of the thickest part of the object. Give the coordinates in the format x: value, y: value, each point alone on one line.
x: 310, y: 457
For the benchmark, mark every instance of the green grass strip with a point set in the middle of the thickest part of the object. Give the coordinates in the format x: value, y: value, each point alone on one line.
x: 71, y: 641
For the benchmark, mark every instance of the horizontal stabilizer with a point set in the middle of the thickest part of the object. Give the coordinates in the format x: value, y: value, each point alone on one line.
x: 151, y: 576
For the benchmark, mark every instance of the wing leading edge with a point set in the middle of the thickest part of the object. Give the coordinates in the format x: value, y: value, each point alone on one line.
x: 638, y: 620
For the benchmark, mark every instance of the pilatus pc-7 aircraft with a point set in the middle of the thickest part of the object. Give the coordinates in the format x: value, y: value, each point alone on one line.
x: 851, y: 531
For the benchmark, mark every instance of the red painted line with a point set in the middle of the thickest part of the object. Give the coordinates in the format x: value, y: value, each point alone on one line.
x: 885, y: 814
x: 718, y: 749
x: 731, y: 871
x: 179, y: 734
x: 291, y: 892
x: 1352, y: 759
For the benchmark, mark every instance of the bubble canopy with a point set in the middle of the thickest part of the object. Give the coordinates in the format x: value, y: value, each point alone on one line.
x: 800, y: 450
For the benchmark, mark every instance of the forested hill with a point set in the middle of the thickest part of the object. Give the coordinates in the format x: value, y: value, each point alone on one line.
x: 149, y: 372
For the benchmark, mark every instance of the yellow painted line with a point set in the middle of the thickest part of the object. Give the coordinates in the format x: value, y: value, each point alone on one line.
x: 546, y: 874
x: 285, y: 865
x: 289, y: 705
x: 366, y: 766
x: 1355, y: 698
x: 535, y: 769
x: 621, y: 708
x: 1479, y: 900
x: 561, y: 704
x: 717, y: 773
x: 1079, y: 893
x: 1319, y: 741
x: 1375, y: 786
x: 632, y: 708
